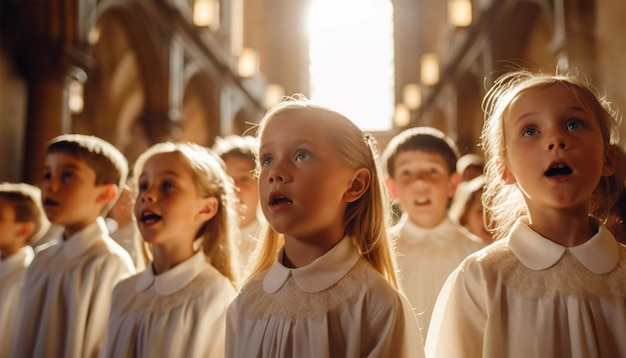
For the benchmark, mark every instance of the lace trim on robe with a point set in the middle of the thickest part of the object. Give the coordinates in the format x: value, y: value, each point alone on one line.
x: 148, y: 301
x: 291, y: 303
x: 567, y: 277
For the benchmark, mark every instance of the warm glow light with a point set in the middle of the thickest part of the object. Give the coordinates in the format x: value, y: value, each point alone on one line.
x: 75, y: 100
x: 248, y: 64
x: 460, y: 12
x: 411, y: 96
x: 402, y: 115
x: 273, y: 95
x: 206, y: 13
x: 93, y: 36
x: 352, y: 60
x: 429, y: 69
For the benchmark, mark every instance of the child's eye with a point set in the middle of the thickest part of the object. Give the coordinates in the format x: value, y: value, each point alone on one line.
x: 574, y: 124
x: 142, y: 187
x: 166, y: 185
x: 47, y: 176
x: 529, y: 132
x: 302, y: 155
x: 434, y: 173
x: 266, y: 160
x: 67, y: 175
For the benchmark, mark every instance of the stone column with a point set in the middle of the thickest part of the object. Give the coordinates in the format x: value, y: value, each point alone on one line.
x: 48, y: 76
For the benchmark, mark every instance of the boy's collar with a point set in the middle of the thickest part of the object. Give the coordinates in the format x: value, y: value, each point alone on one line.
x: 75, y: 245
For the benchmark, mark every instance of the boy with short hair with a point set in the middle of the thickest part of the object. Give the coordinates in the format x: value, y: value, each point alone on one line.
x: 67, y: 289
x: 21, y: 221
x: 422, y: 177
x: 238, y: 154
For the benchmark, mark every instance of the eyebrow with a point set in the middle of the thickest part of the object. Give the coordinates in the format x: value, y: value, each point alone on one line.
x: 163, y: 172
x: 570, y: 109
x: 296, y: 142
x: 66, y: 166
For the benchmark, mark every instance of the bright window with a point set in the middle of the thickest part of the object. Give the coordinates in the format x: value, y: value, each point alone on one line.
x: 351, y: 59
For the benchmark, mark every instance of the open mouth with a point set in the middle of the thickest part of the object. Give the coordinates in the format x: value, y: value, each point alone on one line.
x: 558, y: 169
x: 421, y: 201
x: 150, y: 218
x: 278, y: 200
x: 50, y: 202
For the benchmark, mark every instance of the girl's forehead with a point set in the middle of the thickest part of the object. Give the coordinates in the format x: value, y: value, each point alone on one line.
x: 170, y: 161
x: 292, y: 124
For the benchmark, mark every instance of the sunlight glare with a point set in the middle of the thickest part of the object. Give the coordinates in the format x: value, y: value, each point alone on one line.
x: 351, y: 59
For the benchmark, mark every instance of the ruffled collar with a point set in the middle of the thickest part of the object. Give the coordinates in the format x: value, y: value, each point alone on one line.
x: 77, y: 244
x: 413, y: 234
x: 20, y: 259
x: 174, y: 279
x: 317, y: 276
x: 598, y: 254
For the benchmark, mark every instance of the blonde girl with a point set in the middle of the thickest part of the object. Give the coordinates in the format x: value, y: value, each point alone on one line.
x: 177, y: 306
x: 324, y: 283
x: 553, y: 285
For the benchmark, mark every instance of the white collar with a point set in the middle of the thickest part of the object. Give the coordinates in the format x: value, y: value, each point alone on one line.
x: 19, y: 259
x: 77, y: 244
x: 174, y: 279
x: 410, y: 232
x: 317, y: 276
x: 599, y: 254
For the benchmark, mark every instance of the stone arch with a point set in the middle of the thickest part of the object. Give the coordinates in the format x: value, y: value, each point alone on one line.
x: 126, y: 93
x: 524, y: 37
x: 200, y: 112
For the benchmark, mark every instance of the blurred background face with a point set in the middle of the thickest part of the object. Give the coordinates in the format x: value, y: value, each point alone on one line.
x: 242, y: 172
x: 473, y: 219
x: 422, y: 184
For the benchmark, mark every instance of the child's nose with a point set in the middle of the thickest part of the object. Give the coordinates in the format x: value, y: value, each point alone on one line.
x: 148, y: 195
x: 51, y: 184
x: 278, y: 173
x: 556, y: 141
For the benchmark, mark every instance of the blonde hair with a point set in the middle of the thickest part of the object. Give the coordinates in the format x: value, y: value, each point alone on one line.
x: 504, y: 202
x: 211, y: 180
x: 366, y: 219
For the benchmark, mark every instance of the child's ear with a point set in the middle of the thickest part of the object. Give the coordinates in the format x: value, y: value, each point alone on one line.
x: 359, y: 185
x: 610, y: 156
x: 505, y: 173
x: 209, y: 208
x: 455, y: 180
x: 391, y: 188
x: 108, y: 194
x: 26, y: 230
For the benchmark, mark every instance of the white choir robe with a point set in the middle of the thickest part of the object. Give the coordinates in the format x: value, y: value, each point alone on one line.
x: 526, y: 296
x: 179, y: 313
x: 246, y: 243
x: 426, y: 257
x: 66, y: 296
x: 12, y: 271
x: 337, y: 306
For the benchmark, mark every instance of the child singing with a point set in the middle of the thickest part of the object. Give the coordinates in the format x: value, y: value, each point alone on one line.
x: 553, y: 285
x: 324, y: 283
x: 177, y: 306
